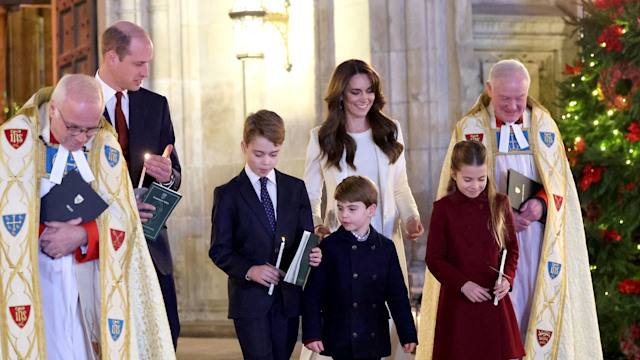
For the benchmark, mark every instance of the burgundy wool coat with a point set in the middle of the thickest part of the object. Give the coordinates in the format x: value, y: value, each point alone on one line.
x: 461, y: 248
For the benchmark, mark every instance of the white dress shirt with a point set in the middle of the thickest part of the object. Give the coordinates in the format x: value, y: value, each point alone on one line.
x: 110, y: 101
x: 271, y: 186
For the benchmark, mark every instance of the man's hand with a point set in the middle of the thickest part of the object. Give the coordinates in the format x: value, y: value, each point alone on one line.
x: 529, y: 212
x: 160, y: 166
x: 321, y: 231
x: 408, y: 348
x: 315, y: 257
x: 144, y: 215
x: 414, y: 229
x: 315, y: 346
x: 474, y: 292
x: 62, y: 238
x: 501, y: 290
x: 265, y: 275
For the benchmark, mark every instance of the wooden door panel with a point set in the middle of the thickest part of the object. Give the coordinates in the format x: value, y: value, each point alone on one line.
x: 76, y: 35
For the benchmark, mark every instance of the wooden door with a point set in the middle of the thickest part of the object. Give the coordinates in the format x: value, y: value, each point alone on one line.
x: 76, y: 38
x: 26, y: 54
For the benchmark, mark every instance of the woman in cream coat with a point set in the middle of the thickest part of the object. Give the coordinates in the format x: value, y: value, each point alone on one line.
x: 358, y: 139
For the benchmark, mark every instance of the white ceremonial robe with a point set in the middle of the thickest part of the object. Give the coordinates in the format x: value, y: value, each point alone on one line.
x: 529, y: 239
x: 62, y: 309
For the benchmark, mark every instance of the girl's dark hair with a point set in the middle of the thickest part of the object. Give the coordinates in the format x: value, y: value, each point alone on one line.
x: 333, y: 137
x: 473, y: 153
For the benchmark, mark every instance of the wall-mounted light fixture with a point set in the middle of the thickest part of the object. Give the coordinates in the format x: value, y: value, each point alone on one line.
x: 248, y: 18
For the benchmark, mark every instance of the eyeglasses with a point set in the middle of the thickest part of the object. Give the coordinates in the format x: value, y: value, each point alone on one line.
x: 74, y: 130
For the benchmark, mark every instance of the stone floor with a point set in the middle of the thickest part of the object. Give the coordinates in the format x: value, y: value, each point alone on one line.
x: 191, y: 348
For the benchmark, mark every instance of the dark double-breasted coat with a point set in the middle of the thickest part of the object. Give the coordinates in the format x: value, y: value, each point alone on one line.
x: 461, y: 248
x: 344, y: 298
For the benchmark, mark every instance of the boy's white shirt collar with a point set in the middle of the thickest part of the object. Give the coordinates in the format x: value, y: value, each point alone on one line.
x: 253, y: 177
x: 363, y: 237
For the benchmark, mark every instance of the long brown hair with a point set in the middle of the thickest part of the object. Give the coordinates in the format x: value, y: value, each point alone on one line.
x: 333, y: 137
x: 473, y: 153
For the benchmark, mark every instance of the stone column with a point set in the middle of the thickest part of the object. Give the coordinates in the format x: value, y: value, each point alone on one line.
x: 325, y: 53
x: 131, y: 10
x: 417, y: 47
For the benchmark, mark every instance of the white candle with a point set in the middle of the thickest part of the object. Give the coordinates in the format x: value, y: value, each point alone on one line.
x: 504, y: 257
x: 144, y: 172
x: 278, y: 263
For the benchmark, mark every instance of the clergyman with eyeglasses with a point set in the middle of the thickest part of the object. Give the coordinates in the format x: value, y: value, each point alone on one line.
x: 56, y: 287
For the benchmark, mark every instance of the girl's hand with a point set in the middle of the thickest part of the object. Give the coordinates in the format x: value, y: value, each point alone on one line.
x: 408, y: 348
x: 414, y: 229
x: 315, y: 257
x: 501, y: 290
x: 315, y: 346
x: 321, y: 231
x: 474, y: 292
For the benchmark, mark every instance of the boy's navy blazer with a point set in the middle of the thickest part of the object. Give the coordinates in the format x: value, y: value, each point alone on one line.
x: 241, y: 237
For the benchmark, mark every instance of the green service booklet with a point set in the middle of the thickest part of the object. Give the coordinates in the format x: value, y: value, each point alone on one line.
x: 299, y: 268
x: 165, y: 200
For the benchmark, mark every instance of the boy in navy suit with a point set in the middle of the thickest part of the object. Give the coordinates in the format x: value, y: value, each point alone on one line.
x: 251, y: 214
x: 344, y: 314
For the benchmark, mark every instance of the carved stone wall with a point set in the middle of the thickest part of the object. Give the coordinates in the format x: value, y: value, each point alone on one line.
x: 539, y: 41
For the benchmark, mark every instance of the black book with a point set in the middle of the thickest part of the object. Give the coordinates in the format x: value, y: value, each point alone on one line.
x: 72, y: 199
x: 520, y: 188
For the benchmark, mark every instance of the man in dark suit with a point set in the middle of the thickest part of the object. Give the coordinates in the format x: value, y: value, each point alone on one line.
x: 251, y: 215
x: 143, y: 123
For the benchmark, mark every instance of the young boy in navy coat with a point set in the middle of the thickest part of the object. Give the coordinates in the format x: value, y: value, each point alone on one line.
x: 251, y: 214
x: 344, y: 314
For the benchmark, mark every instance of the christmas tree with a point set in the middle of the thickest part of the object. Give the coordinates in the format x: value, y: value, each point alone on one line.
x: 600, y: 125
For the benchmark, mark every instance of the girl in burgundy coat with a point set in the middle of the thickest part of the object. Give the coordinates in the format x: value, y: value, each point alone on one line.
x: 469, y: 229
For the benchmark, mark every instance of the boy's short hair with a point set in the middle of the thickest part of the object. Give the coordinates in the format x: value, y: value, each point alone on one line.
x: 357, y: 188
x: 264, y: 123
